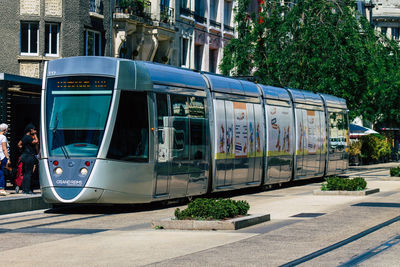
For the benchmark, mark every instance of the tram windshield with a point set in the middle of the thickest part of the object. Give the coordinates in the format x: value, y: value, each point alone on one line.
x: 76, y: 112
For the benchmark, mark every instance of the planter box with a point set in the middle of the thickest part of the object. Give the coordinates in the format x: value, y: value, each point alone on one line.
x: 346, y: 193
x: 232, y: 224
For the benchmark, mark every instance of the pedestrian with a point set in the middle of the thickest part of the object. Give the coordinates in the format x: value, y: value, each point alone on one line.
x: 4, y: 157
x: 28, y: 145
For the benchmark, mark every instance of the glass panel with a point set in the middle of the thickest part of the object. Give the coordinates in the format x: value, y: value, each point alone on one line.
x: 130, y: 140
x: 46, y: 39
x: 179, y: 105
x: 197, y: 128
x: 336, y: 131
x: 97, y: 44
x: 54, y: 39
x: 34, y: 40
x: 163, y: 133
x: 90, y: 44
x: 162, y: 110
x: 24, y: 37
x: 185, y: 43
x: 76, y: 118
x: 227, y: 13
x: 198, y: 55
x: 179, y: 121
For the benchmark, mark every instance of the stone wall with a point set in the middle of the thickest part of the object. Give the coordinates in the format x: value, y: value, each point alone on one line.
x: 53, y: 8
x: 30, y: 7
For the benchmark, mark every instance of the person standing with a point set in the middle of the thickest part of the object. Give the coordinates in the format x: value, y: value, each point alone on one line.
x: 28, y: 145
x: 4, y: 157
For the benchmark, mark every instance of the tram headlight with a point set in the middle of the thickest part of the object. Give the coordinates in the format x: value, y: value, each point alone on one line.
x: 83, y: 171
x: 58, y: 171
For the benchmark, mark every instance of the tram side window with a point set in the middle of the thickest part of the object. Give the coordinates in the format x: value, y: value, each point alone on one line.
x: 197, y: 128
x: 130, y: 140
x: 337, y: 127
x: 180, y: 127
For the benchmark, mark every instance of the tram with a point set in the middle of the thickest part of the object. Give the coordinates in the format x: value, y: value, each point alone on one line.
x: 122, y: 131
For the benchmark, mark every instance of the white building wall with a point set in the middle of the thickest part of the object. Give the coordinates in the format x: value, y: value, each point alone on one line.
x: 386, y: 16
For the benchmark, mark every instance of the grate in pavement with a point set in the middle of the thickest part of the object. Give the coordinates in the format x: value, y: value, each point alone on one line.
x: 308, y: 215
x: 378, y: 204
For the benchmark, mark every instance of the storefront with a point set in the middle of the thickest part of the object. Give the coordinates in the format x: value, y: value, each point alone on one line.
x: 19, y: 105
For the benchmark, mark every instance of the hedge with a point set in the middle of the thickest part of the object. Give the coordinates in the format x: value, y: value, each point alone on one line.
x: 344, y: 184
x: 212, y: 209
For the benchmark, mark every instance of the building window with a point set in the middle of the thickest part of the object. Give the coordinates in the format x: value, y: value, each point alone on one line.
x: 29, y: 38
x: 92, y: 43
x: 185, y: 50
x: 52, y: 36
x: 395, y: 33
x: 227, y: 13
x: 198, y: 56
x: 213, y: 60
x: 384, y: 31
x: 214, y: 9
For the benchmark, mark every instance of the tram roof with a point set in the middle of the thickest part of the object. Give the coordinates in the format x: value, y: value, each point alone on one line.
x: 275, y: 93
x: 334, y: 102
x: 87, y: 65
x: 228, y: 85
x: 306, y: 97
x: 168, y: 75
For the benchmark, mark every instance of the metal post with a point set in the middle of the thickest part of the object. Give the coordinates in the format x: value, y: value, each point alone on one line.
x: 111, y: 28
x: 3, y: 101
x: 370, y: 5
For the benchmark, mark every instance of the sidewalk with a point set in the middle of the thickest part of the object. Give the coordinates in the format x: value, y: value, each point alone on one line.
x: 301, y: 224
x: 14, y: 202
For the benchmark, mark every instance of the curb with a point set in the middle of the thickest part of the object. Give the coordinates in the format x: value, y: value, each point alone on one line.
x: 22, y: 203
x: 390, y: 178
x: 232, y: 224
x: 365, y: 192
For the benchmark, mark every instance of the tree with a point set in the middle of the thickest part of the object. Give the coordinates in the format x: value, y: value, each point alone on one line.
x: 322, y: 46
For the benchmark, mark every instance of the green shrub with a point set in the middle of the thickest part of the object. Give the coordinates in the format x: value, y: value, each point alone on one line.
x: 395, y: 171
x: 355, y: 148
x: 212, y: 209
x: 336, y: 183
x: 374, y: 147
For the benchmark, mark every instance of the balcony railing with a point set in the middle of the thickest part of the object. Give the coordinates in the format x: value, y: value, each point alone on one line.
x: 215, y: 24
x: 200, y: 18
x: 228, y: 28
x: 187, y: 12
x: 96, y: 6
x: 166, y: 14
x: 134, y: 8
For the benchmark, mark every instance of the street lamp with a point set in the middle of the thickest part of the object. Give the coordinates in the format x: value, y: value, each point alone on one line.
x: 370, y: 5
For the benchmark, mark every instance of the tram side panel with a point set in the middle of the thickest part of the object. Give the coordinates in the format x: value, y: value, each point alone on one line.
x: 310, y: 141
x: 238, y: 143
x: 280, y: 145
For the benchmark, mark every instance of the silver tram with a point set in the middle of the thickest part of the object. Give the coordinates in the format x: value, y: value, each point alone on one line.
x: 122, y: 131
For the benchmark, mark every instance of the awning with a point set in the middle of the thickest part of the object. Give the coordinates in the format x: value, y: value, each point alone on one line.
x: 357, y: 131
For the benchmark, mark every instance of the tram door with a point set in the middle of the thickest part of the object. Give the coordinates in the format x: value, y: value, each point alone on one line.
x: 163, y: 146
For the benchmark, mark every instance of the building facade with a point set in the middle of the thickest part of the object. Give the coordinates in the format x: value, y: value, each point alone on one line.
x: 184, y: 33
x: 386, y: 17
x: 34, y: 31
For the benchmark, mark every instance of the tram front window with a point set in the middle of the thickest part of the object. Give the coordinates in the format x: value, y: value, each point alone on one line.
x: 76, y: 112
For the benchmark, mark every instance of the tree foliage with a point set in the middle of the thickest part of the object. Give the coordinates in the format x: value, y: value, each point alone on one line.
x: 321, y: 46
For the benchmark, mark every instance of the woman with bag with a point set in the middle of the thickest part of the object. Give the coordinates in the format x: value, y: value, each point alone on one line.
x: 4, y: 157
x: 28, y: 145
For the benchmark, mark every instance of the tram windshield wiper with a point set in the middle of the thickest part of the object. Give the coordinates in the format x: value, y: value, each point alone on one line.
x: 55, y: 137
